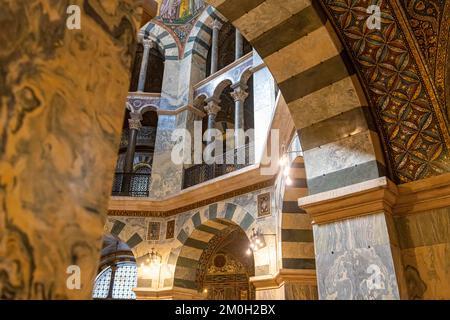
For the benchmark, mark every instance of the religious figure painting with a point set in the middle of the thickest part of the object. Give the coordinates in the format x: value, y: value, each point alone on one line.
x: 170, y: 230
x: 174, y: 10
x: 263, y: 204
x: 153, y: 230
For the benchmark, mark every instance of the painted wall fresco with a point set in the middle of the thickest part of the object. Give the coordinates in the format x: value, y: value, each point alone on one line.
x: 59, y: 138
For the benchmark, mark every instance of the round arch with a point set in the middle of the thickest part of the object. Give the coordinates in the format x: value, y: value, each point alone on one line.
x: 202, y: 231
x: 320, y: 87
x: 130, y: 235
x: 163, y: 38
x: 199, y: 40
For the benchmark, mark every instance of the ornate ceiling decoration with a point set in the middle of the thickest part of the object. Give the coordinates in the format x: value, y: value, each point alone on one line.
x: 180, y: 16
x: 403, y: 67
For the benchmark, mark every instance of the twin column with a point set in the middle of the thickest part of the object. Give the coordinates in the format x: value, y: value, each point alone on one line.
x: 135, y: 125
x: 135, y: 121
x: 239, y: 95
x: 144, y: 64
x: 239, y: 46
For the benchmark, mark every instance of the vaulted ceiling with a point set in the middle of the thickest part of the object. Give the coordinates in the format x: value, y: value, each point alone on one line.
x: 405, y: 72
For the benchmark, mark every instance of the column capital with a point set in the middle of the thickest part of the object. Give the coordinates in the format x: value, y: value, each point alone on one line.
x: 240, y: 92
x: 147, y: 43
x: 212, y: 106
x: 217, y: 24
x: 135, y: 121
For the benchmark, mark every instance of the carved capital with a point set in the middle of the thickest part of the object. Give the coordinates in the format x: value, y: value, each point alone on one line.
x: 240, y: 93
x: 134, y: 124
x: 217, y: 25
x: 212, y: 107
x: 147, y: 43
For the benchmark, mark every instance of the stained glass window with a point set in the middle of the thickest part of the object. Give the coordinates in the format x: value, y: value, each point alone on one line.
x: 125, y: 279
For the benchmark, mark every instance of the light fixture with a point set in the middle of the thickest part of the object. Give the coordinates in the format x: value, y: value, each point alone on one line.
x: 283, y: 161
x: 256, y: 241
x: 155, y: 257
x: 288, y: 181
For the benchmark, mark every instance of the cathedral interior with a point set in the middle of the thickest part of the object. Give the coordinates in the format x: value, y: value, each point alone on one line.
x: 338, y: 188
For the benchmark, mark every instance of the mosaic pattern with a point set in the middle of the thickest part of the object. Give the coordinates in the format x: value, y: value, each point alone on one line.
x: 430, y: 23
x: 180, y: 16
x: 412, y: 127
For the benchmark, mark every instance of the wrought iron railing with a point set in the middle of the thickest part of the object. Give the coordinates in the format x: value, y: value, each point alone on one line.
x: 231, y: 161
x: 131, y: 184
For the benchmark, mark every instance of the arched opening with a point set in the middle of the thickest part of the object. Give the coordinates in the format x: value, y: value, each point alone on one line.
x: 133, y: 179
x: 227, y: 45
x: 226, y: 274
x: 222, y: 268
x: 154, y: 73
x: 117, y: 273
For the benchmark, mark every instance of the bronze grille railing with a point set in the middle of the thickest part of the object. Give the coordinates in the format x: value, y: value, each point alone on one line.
x: 200, y: 173
x: 131, y: 184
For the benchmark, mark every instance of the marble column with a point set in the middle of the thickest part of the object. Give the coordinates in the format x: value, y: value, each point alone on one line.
x: 212, y: 108
x: 134, y: 124
x: 239, y: 50
x: 215, y: 46
x: 144, y: 64
x: 239, y: 95
x: 356, y: 243
x: 60, y: 128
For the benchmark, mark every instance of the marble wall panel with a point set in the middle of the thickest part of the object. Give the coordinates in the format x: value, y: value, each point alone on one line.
x: 271, y: 294
x: 335, y: 156
x: 166, y: 175
x: 268, y: 15
x: 264, y: 107
x: 327, y: 102
x: 295, y: 291
x: 59, y: 139
x: 354, y: 259
x: 425, y: 246
x: 171, y: 79
x: 348, y: 275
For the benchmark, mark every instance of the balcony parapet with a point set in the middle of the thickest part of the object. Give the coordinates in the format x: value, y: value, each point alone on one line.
x: 141, y: 102
x: 237, y: 72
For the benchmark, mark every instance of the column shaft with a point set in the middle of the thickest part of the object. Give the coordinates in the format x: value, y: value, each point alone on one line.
x: 134, y: 125
x: 144, y: 65
x: 239, y: 95
x: 239, y: 52
x: 215, y: 46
